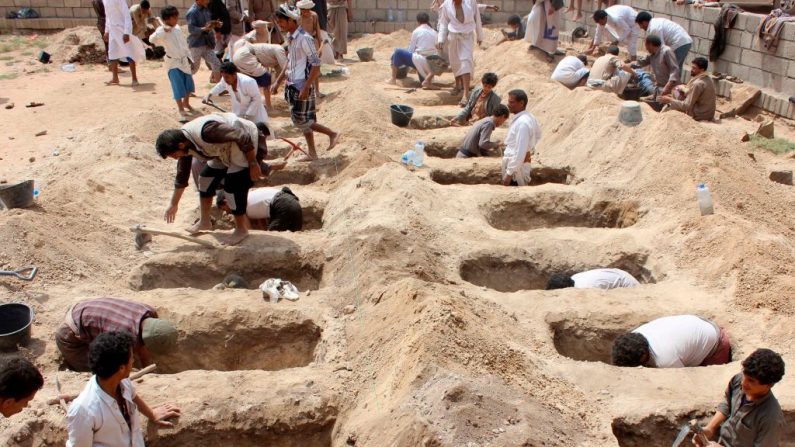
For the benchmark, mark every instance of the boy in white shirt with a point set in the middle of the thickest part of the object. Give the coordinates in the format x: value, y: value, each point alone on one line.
x: 169, y: 36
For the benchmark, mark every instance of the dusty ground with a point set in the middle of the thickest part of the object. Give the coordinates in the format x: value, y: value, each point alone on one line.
x: 422, y: 321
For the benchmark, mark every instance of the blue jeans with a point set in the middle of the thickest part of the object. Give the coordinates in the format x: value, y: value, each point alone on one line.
x: 645, y: 83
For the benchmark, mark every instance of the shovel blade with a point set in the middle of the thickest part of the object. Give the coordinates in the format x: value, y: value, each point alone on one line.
x: 683, y: 432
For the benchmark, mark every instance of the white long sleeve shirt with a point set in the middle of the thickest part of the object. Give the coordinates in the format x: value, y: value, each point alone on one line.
x: 448, y: 23
x: 95, y: 420
x: 246, y: 101
x: 423, y: 40
x: 117, y: 16
x: 523, y: 136
x: 680, y: 341
x: 604, y: 279
x: 620, y: 23
x: 569, y: 71
x: 670, y: 32
x: 177, y: 52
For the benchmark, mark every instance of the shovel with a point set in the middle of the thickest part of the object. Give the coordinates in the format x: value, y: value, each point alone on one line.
x: 210, y: 103
x: 143, y: 235
x: 25, y: 274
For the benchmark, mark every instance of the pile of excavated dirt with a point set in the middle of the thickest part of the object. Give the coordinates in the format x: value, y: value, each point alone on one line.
x: 422, y: 319
x: 81, y: 45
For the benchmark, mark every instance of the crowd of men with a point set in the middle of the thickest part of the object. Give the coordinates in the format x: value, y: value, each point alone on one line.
x: 225, y: 153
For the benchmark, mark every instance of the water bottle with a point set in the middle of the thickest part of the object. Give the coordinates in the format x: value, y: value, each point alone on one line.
x: 36, y: 193
x: 419, y: 154
x: 390, y: 15
x: 408, y: 157
x: 704, y: 200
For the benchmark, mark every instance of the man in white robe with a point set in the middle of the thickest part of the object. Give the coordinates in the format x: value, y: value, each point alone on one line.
x: 122, y: 43
x: 460, y: 26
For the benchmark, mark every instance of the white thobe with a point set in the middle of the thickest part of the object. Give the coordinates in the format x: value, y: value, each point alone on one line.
x: 460, y: 42
x: 423, y: 43
x: 621, y: 24
x: 670, y: 32
x: 118, y: 23
x: 246, y: 101
x: 177, y: 52
x: 523, y: 136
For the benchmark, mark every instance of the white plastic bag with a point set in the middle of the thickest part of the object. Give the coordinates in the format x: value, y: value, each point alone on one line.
x: 275, y: 289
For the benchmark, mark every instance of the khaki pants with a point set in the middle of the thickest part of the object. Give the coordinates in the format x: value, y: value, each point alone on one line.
x: 73, y: 350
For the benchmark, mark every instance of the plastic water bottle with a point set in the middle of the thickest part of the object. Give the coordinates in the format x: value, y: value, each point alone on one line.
x: 704, y: 200
x: 390, y: 15
x: 419, y: 154
x: 408, y: 157
x: 36, y: 193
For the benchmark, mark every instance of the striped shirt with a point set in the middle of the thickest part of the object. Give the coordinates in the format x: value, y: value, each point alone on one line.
x: 301, y: 57
x: 93, y: 317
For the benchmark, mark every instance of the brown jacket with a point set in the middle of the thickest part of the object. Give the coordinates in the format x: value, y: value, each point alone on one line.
x: 700, y: 100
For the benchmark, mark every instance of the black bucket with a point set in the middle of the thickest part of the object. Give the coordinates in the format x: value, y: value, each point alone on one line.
x: 401, y: 115
x: 44, y: 57
x: 15, y: 321
x: 18, y: 195
x: 402, y: 72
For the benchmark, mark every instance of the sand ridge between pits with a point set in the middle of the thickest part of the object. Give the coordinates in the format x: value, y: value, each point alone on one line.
x: 409, y: 352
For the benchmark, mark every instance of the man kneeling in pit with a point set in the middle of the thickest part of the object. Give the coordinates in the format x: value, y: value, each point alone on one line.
x: 272, y: 209
x: 674, y: 342
x: 593, y: 279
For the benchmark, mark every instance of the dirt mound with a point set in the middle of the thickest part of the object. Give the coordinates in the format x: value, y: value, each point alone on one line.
x: 81, y: 45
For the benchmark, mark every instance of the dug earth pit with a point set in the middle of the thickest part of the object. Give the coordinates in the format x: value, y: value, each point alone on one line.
x: 267, y: 340
x: 300, y: 173
x: 274, y: 257
x: 515, y: 271
x: 559, y: 209
x: 466, y: 172
x: 590, y: 339
x: 658, y: 430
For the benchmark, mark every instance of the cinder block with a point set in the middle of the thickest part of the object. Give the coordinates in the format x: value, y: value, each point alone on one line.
x: 413, y: 4
x: 384, y: 4
x: 698, y: 29
x: 711, y: 14
x: 366, y: 5
x: 380, y: 27
x: 791, y: 69
x: 735, y: 37
x: 64, y: 12
x: 752, y: 22
x: 683, y: 22
x: 641, y: 5
x: 71, y: 3
x: 657, y: 6
x: 359, y: 15
x: 694, y: 14
x: 401, y: 4
x: 376, y: 14
x: 82, y: 12
x: 788, y: 33
x: 740, y: 21
x: 748, y: 40
x: 756, y: 76
x: 774, y: 64
x: 786, y: 49
x: 732, y: 54
x: 752, y: 58
x: 721, y: 66
x: 703, y: 46
x: 740, y: 71
x: 46, y: 12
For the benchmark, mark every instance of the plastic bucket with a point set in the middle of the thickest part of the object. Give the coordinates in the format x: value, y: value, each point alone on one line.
x: 630, y: 113
x: 401, y: 114
x: 365, y: 54
x: 437, y: 65
x: 15, y: 321
x: 19, y: 195
x: 402, y: 72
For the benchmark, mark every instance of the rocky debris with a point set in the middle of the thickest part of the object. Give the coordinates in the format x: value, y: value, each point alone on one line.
x: 742, y: 97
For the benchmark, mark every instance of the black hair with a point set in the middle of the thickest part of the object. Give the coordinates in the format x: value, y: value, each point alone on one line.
x: 612, y: 49
x: 286, y: 214
x: 559, y: 280
x: 19, y: 379
x: 168, y: 12
x: 280, y: 13
x: 145, y: 4
x: 643, y: 16
x: 229, y: 67
x: 168, y: 142
x: 423, y: 17
x: 109, y: 352
x: 629, y: 349
x: 764, y: 365
x: 514, y: 20
x: 701, y: 62
x: 489, y: 78
x: 654, y: 40
x: 599, y: 14
x: 583, y: 58
x: 263, y: 128
x: 519, y: 95
x: 501, y: 110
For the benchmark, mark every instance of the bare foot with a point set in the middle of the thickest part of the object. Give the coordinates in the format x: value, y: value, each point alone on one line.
x: 429, y: 86
x: 578, y: 17
x: 333, y: 140
x: 305, y: 159
x: 199, y: 226
x: 568, y: 10
x: 277, y: 165
x: 236, y: 237
x: 135, y: 83
x: 112, y: 82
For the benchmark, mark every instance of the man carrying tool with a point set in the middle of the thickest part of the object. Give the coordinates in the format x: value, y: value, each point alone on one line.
x: 303, y: 69
x: 87, y: 319
x: 233, y: 149
x: 750, y: 415
x: 19, y: 382
x: 106, y: 411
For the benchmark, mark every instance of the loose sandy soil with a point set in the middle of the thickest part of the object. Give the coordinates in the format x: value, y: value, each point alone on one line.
x: 422, y: 321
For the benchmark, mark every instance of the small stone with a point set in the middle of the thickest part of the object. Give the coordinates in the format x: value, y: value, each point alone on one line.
x: 9, y: 106
x: 42, y: 133
x: 56, y: 153
x: 783, y: 177
x: 32, y: 159
x: 349, y: 309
